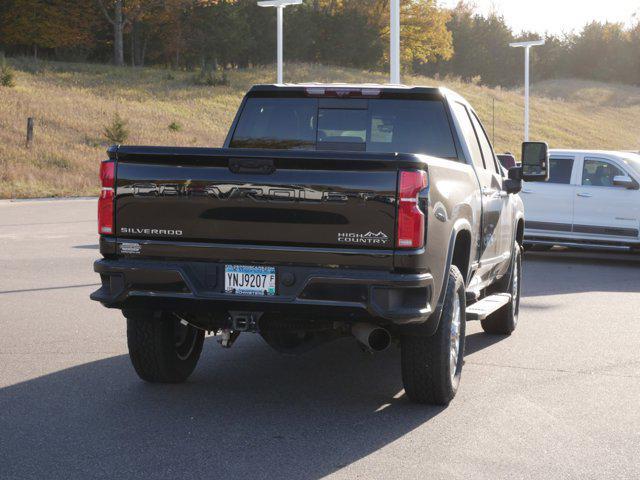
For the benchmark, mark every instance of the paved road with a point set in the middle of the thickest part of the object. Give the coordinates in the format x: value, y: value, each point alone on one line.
x: 558, y: 399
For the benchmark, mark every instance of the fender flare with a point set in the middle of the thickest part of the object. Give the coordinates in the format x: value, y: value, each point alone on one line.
x: 519, y: 216
x: 461, y: 224
x: 429, y: 327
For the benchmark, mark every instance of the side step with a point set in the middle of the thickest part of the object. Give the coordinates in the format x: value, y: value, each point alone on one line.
x: 590, y: 246
x: 488, y: 305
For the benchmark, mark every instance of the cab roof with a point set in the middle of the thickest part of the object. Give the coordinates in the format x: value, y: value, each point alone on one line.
x: 369, y: 90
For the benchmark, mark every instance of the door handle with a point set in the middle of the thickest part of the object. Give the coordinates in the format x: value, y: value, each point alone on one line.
x: 526, y: 191
x: 585, y: 195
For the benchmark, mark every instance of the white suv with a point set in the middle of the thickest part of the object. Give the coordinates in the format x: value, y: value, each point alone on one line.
x: 592, y: 200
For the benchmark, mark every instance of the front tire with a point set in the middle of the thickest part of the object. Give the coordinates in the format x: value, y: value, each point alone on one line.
x: 161, y: 348
x: 505, y: 320
x: 431, y: 366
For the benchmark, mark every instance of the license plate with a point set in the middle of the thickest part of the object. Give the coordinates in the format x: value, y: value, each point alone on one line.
x: 250, y: 280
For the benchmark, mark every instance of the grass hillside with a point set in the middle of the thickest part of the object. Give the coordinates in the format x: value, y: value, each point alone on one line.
x: 73, y: 103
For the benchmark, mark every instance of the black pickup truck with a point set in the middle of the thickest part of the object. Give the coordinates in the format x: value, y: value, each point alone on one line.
x: 380, y: 212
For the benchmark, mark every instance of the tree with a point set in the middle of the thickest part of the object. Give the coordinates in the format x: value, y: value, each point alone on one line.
x: 423, y: 29
x: 45, y: 24
x: 118, y: 21
x: 120, y: 14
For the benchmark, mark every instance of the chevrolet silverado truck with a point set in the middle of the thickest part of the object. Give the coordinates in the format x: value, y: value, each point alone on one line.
x: 378, y: 212
x: 592, y: 201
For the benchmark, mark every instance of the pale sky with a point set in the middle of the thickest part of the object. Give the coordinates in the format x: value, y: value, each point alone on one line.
x: 556, y: 16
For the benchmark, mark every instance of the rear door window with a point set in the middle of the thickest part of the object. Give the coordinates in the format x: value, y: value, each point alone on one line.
x: 560, y: 169
x: 485, y: 146
x: 469, y: 134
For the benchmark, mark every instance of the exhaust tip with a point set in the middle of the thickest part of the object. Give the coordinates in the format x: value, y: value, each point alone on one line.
x: 379, y: 340
x: 374, y: 338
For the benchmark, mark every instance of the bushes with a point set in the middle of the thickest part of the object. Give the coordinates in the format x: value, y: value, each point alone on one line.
x: 116, y: 131
x: 211, y: 78
x: 7, y: 76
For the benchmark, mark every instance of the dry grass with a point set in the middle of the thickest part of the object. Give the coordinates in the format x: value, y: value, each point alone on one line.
x: 72, y: 103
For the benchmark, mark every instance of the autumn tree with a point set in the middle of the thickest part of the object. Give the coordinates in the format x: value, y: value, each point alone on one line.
x: 423, y: 29
x: 45, y: 24
x: 120, y: 14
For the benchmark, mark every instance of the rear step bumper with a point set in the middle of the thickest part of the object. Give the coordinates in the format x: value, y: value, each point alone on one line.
x: 329, y: 293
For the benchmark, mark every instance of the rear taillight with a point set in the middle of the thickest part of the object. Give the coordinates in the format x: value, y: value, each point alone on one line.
x: 411, y: 220
x: 105, y: 202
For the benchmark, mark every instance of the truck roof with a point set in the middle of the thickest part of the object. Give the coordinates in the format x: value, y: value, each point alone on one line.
x: 371, y: 90
x: 608, y: 153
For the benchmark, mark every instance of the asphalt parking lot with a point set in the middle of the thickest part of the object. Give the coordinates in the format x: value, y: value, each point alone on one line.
x: 558, y: 399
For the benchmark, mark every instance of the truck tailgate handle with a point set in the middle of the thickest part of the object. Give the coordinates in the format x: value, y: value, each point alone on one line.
x: 260, y: 166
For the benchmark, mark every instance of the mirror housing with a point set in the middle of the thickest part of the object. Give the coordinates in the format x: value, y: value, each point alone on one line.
x: 515, y: 173
x: 626, y: 182
x: 513, y: 184
x: 535, y: 162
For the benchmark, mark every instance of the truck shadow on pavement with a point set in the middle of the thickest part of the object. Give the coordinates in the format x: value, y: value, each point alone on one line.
x: 245, y: 413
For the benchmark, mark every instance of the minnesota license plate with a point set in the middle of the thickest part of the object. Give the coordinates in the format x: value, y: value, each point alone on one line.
x: 250, y: 280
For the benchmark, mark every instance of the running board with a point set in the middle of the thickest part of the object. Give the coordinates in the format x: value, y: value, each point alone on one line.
x: 590, y: 246
x: 488, y: 305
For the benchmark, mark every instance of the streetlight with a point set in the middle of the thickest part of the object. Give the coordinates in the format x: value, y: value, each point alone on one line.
x: 394, y: 50
x: 527, y: 46
x: 279, y: 4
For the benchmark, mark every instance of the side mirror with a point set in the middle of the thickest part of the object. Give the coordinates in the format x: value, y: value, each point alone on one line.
x: 507, y: 160
x: 535, y: 162
x: 626, y: 182
x: 513, y: 184
x: 515, y: 173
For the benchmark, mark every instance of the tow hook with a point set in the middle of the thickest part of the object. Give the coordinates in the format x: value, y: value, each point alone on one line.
x: 245, y: 321
x: 239, y: 322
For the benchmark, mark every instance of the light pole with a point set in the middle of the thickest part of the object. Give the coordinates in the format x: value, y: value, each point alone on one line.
x: 394, y: 48
x: 527, y: 46
x: 279, y: 4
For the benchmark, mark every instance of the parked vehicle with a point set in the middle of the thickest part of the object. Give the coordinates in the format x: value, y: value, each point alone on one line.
x: 308, y: 226
x: 592, y: 200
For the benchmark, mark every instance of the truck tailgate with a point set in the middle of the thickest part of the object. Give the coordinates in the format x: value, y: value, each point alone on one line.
x: 259, y: 197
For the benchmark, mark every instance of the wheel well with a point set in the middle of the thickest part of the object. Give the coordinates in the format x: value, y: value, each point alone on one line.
x: 520, y: 232
x: 462, y: 252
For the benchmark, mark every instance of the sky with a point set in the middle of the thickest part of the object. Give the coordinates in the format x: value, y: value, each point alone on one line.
x: 556, y: 16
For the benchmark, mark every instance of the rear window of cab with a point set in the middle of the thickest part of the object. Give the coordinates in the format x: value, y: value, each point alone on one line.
x: 367, y: 125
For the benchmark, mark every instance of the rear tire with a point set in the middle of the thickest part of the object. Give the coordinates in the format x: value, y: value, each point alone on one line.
x: 161, y: 349
x: 430, y: 373
x: 505, y: 320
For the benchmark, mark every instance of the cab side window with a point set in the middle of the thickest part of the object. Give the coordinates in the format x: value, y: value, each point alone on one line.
x: 599, y: 173
x: 560, y: 169
x: 460, y: 111
x: 487, y: 152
